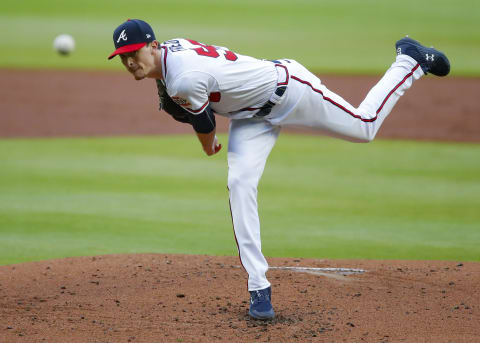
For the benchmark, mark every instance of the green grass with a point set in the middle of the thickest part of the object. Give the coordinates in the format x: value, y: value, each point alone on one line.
x: 346, y: 36
x: 319, y: 197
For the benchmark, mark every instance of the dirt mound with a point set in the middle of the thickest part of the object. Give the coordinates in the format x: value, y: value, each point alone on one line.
x: 178, y: 298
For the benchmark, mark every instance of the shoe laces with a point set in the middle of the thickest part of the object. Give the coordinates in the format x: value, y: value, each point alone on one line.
x: 260, y: 296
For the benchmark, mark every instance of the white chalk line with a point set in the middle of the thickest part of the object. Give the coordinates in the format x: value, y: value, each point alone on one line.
x: 320, y: 271
x: 324, y: 270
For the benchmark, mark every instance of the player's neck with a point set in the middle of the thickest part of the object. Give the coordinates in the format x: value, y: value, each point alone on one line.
x: 157, y: 73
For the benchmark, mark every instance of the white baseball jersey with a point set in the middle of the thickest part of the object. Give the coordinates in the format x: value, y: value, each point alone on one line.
x: 197, y: 75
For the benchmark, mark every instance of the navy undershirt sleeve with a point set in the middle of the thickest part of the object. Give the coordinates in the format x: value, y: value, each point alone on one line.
x: 203, y: 122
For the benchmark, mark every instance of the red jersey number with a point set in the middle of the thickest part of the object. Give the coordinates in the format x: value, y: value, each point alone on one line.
x: 211, y: 51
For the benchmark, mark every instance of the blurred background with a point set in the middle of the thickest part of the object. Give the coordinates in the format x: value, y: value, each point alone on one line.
x: 88, y: 165
x: 324, y: 35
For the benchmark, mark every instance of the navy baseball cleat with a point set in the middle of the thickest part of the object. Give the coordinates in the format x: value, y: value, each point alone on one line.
x: 430, y: 59
x: 261, y: 305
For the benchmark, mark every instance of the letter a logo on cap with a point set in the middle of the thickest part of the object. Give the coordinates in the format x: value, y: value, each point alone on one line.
x: 123, y: 36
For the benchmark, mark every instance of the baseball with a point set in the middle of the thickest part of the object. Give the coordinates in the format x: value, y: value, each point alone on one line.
x: 64, y: 44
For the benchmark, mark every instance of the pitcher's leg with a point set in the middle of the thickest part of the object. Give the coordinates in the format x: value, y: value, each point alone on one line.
x: 250, y: 143
x: 381, y: 99
x: 323, y: 109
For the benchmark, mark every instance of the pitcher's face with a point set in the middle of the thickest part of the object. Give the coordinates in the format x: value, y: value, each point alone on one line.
x: 140, y: 63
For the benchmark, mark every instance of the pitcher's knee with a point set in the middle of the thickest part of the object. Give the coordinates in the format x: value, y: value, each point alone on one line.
x: 367, y: 135
x: 367, y: 138
x: 362, y: 138
x: 241, y: 180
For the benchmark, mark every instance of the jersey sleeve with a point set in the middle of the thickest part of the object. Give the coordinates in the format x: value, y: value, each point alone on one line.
x: 190, y: 90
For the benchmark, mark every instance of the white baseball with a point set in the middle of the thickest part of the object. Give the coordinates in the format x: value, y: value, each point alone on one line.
x: 64, y: 44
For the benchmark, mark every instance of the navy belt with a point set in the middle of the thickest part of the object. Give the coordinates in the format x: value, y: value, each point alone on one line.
x: 267, y: 108
x: 277, y: 94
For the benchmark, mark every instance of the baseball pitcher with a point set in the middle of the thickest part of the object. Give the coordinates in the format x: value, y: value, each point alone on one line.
x: 197, y: 81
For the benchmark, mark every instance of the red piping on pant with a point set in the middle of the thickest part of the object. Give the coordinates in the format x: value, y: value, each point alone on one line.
x: 399, y: 84
x: 234, y: 234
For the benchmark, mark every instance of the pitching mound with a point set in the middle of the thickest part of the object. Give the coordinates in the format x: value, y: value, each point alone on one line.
x: 178, y: 298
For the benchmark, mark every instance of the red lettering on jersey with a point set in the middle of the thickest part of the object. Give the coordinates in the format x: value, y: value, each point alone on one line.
x: 205, y: 50
x: 230, y: 55
x: 211, y: 51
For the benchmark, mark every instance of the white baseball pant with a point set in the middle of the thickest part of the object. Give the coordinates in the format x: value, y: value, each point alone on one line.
x: 305, y: 103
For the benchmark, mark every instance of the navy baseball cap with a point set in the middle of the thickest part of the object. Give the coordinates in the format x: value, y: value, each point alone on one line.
x: 130, y: 36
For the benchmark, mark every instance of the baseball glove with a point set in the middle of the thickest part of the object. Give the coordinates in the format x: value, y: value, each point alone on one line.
x: 171, y: 107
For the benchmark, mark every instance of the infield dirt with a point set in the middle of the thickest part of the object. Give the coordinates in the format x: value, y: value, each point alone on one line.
x: 178, y: 298
x: 56, y: 103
